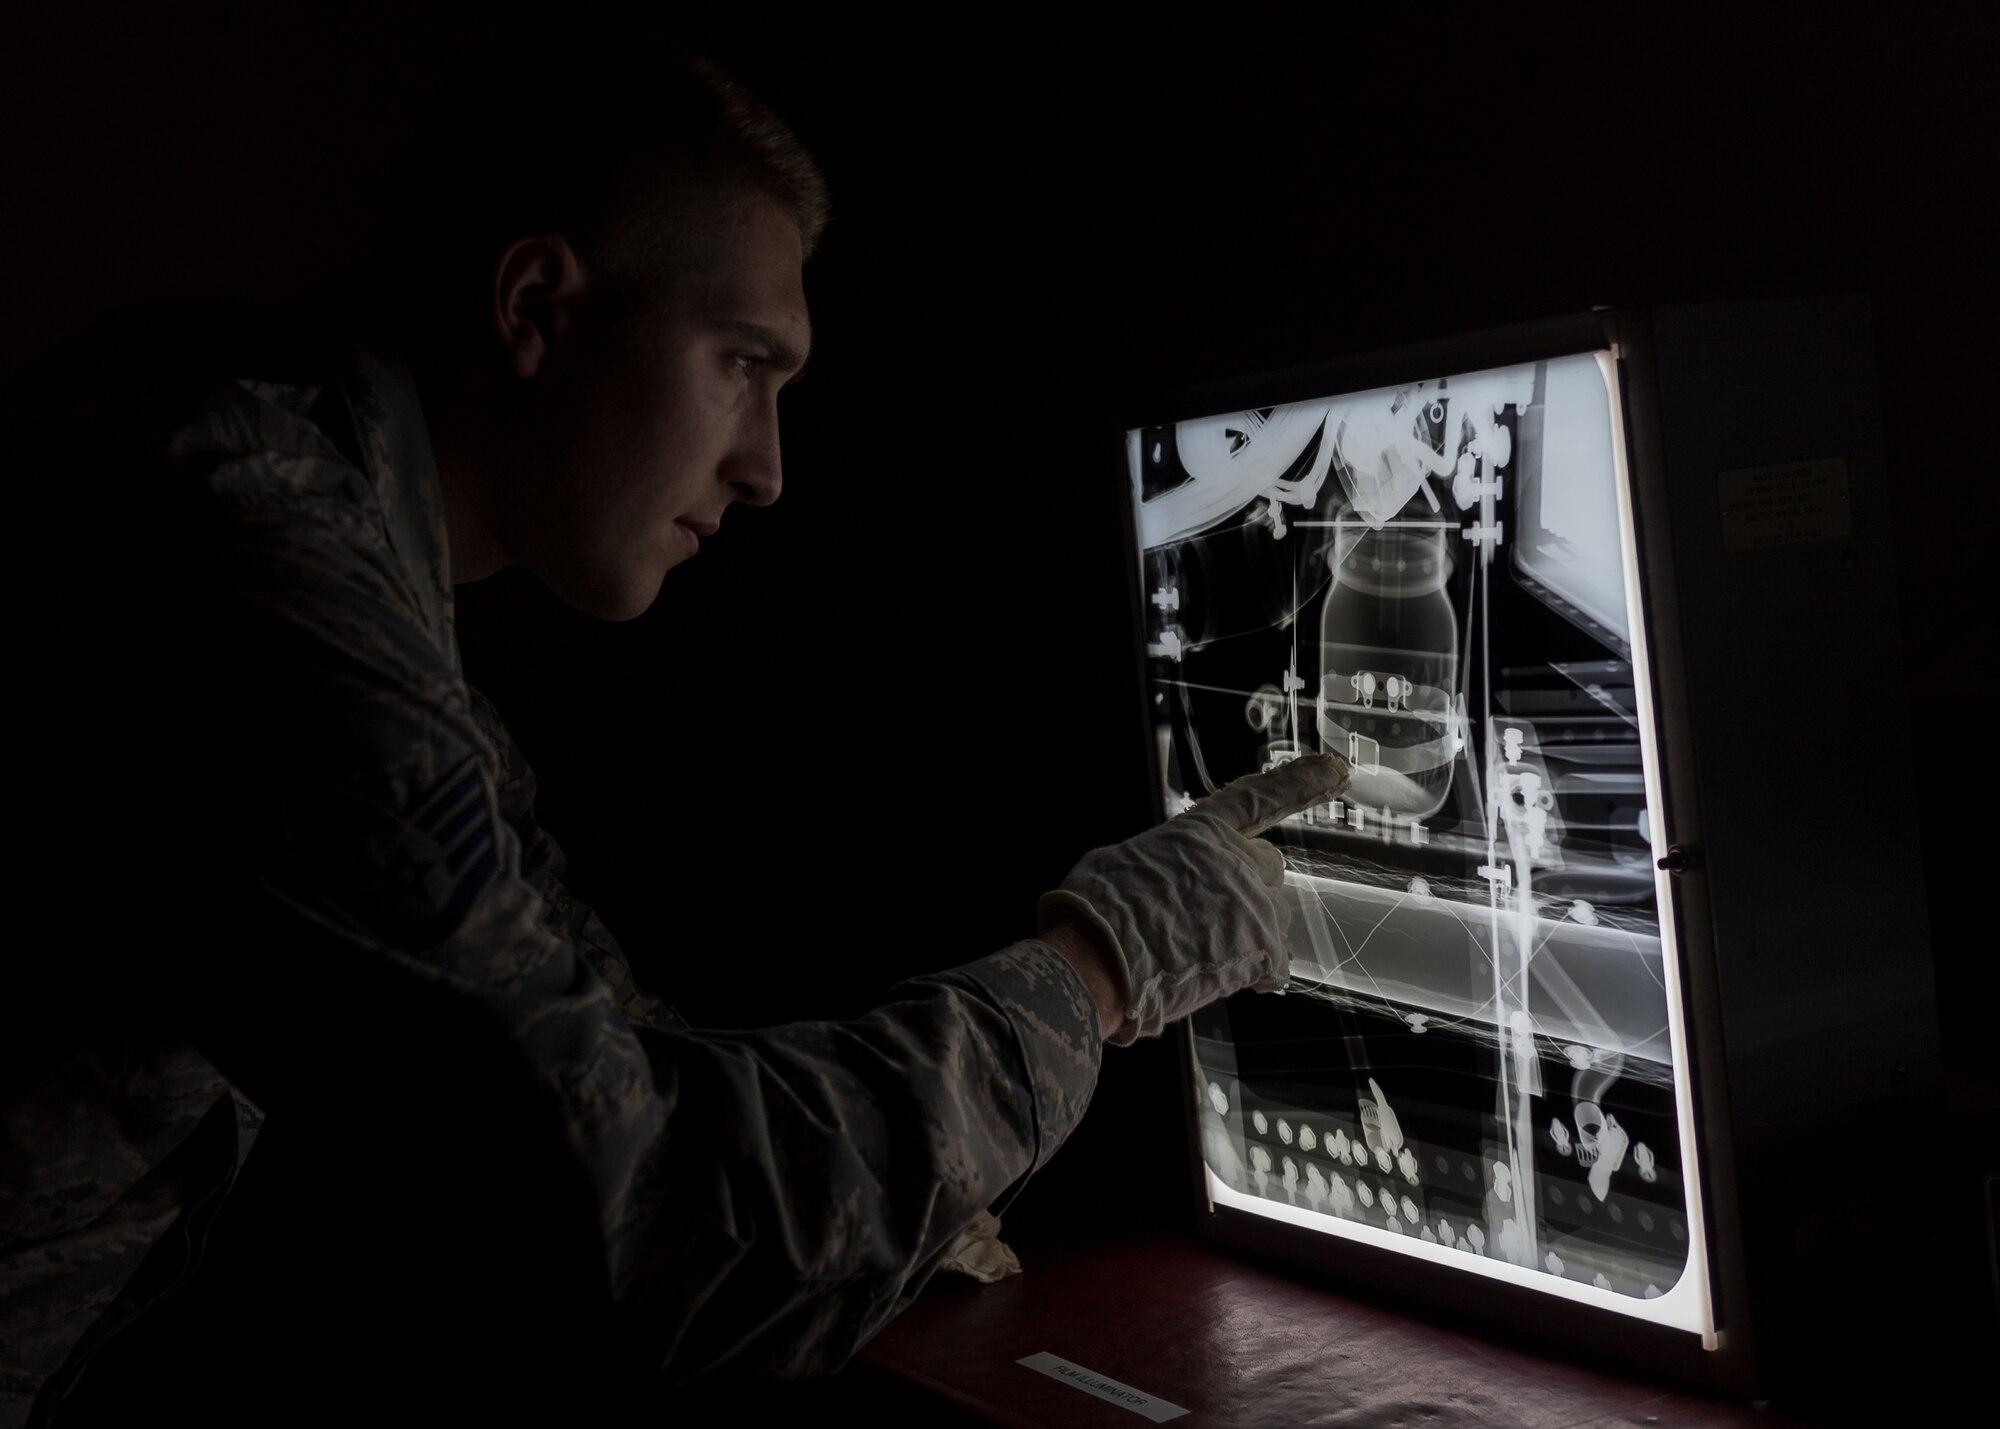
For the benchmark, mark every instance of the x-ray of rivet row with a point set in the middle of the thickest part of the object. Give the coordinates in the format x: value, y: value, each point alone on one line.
x: 1430, y: 580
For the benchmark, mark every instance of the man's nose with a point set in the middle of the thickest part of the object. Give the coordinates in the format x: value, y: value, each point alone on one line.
x: 755, y: 470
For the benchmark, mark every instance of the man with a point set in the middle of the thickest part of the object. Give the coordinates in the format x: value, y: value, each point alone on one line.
x: 296, y: 857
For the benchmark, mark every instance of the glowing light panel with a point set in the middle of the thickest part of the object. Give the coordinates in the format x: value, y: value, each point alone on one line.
x: 1481, y: 1061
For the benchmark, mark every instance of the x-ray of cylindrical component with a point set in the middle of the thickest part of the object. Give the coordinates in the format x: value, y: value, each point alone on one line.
x: 1353, y: 938
x: 1388, y: 649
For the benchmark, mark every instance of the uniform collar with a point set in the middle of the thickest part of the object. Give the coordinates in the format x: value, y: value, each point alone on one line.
x: 394, y: 444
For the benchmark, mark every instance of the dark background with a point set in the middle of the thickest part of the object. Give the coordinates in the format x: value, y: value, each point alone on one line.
x: 858, y: 736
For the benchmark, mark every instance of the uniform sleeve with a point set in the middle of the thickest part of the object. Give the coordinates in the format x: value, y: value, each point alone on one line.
x: 765, y: 1200
x: 542, y: 867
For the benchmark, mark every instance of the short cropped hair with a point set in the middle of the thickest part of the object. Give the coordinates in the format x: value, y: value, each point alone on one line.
x: 633, y: 150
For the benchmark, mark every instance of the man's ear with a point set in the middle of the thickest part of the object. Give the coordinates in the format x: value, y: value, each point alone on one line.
x: 538, y: 282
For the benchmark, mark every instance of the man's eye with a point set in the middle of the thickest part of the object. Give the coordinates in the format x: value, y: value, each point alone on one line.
x: 746, y: 363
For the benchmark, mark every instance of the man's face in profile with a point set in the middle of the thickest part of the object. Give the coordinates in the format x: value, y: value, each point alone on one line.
x: 660, y: 419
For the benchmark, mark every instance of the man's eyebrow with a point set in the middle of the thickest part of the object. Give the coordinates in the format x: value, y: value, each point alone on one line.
x: 783, y: 355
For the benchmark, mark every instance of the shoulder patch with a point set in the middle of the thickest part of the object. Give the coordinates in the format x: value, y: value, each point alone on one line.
x: 406, y: 877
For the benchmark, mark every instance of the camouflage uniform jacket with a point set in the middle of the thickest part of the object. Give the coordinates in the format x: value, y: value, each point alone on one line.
x: 198, y: 516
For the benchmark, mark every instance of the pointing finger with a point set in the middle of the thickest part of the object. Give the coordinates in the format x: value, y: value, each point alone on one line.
x: 1256, y: 802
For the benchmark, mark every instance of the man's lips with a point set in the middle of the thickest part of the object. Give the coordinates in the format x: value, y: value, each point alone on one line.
x: 696, y: 530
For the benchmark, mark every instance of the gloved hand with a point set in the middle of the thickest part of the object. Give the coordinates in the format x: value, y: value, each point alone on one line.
x: 1194, y: 909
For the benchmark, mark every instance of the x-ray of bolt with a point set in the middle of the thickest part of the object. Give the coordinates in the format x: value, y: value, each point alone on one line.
x: 1265, y: 711
x: 1217, y: 1100
x: 1406, y: 1162
x: 1611, y: 1146
x: 1257, y: 1120
x: 1527, y: 1061
x: 1409, y: 1209
x: 1260, y: 1169
x: 1476, y: 1235
x: 1365, y: 1192
x: 1388, y: 1128
x: 1284, y: 1131
x: 1307, y: 1140
x: 1290, y: 1178
x: 1316, y: 1188
x: 1559, y: 1134
x: 1589, y: 1126
x: 1340, y: 1196
x: 1219, y: 1150
x: 1395, y: 690
x: 1642, y: 1158
x: 1530, y: 803
x: 1553, y: 1263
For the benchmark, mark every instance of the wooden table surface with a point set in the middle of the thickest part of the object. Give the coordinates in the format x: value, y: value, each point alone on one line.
x: 1234, y: 1343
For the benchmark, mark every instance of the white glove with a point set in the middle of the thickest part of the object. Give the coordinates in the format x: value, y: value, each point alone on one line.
x: 1194, y: 908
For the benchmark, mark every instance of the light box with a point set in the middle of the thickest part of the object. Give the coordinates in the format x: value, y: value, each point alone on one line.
x: 1604, y: 954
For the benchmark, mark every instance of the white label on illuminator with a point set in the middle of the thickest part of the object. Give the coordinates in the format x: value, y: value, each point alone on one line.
x: 1781, y: 505
x: 1104, y: 1387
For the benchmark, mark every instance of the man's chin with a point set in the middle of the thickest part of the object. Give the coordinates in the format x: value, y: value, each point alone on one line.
x: 614, y: 595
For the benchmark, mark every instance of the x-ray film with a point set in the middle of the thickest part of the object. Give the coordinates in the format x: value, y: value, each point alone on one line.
x: 1480, y: 1060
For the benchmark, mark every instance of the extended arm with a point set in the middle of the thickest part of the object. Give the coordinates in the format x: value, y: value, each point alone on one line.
x: 764, y: 1200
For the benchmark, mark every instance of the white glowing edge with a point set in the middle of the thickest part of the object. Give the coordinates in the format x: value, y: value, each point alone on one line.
x: 1701, y: 1318
x: 1688, y: 1304
x: 1682, y: 1307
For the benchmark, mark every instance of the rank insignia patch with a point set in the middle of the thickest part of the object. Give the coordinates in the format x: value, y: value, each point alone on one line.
x: 409, y: 878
